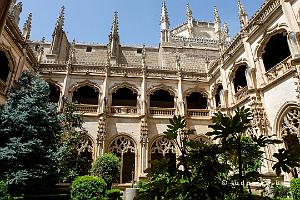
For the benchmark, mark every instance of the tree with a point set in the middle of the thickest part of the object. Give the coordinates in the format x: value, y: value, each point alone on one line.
x: 76, y: 159
x: 108, y: 168
x: 29, y: 136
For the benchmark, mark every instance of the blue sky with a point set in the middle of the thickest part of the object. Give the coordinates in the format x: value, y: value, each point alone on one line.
x: 90, y: 20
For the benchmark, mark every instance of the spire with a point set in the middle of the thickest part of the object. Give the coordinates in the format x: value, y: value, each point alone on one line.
x: 15, y: 11
x: 72, y: 57
x: 27, y: 27
x: 115, y: 25
x: 164, y: 18
x: 243, y: 15
x: 60, y: 22
x: 189, y: 13
x: 114, y: 40
x: 189, y: 16
x: 217, y: 20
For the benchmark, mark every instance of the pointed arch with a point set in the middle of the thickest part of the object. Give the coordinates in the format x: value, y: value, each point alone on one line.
x: 125, y: 148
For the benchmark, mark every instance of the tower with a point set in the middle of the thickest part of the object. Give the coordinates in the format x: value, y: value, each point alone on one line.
x: 164, y: 24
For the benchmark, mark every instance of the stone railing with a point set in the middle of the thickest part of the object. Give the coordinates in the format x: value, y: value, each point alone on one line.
x: 241, y: 94
x: 53, y: 68
x: 278, y: 70
x: 90, y: 69
x: 162, y: 111
x: 124, y: 110
x: 86, y: 108
x: 2, y: 86
x: 198, y: 112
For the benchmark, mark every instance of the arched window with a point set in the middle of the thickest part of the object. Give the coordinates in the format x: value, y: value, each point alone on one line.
x: 4, y: 67
x: 124, y: 97
x: 86, y: 95
x: 289, y: 129
x: 276, y: 50
x: 164, y: 148
x: 196, y: 100
x: 161, y: 99
x: 124, y: 148
x: 218, y: 96
x: 239, y: 80
x: 54, y: 93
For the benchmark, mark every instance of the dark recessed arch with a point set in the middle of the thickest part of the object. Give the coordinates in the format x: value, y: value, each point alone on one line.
x: 162, y: 99
x: 239, y: 80
x: 124, y: 97
x: 86, y: 95
x: 196, y: 100
x: 275, y: 50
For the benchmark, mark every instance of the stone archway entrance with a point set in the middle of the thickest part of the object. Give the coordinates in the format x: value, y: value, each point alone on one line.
x: 125, y: 149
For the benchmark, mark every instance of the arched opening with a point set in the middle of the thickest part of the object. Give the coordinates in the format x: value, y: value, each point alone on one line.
x: 86, y: 95
x: 276, y: 50
x: 54, y: 94
x: 196, y: 100
x: 85, y: 154
x: 124, y: 148
x: 239, y: 80
x: 124, y: 97
x: 161, y: 99
x: 289, y: 129
x: 218, y: 96
x: 4, y: 67
x: 164, y: 148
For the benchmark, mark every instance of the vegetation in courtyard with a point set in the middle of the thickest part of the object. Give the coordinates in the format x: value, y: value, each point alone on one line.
x: 295, y: 188
x: 75, y: 161
x: 88, y: 188
x: 29, y: 137
x: 214, y: 171
x: 107, y: 167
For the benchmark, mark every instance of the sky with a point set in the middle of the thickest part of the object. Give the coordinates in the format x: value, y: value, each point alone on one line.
x: 90, y: 21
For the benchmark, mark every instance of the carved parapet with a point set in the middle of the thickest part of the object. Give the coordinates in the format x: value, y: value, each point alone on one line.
x: 279, y: 70
x: 124, y: 110
x: 242, y: 94
x: 167, y: 112
x: 86, y: 108
x: 199, y: 113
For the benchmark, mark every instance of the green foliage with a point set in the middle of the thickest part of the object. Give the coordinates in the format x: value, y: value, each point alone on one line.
x: 88, y: 188
x: 280, y: 191
x: 3, y: 190
x: 29, y: 131
x: 295, y: 188
x: 114, y: 194
x: 107, y: 167
x: 73, y: 162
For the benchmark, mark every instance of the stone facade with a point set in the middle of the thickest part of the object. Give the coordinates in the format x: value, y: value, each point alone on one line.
x: 15, y: 53
x: 128, y: 93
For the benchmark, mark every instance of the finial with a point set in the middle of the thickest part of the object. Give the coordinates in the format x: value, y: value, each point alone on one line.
x: 16, y: 10
x: 189, y: 13
x: 60, y: 19
x: 242, y: 15
x: 164, y: 18
x: 27, y: 27
x: 217, y: 20
x: 115, y: 24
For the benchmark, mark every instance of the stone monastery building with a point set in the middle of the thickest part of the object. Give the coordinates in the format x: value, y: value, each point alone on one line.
x: 128, y: 93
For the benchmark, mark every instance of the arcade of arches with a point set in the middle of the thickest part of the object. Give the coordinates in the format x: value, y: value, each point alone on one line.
x: 4, y: 70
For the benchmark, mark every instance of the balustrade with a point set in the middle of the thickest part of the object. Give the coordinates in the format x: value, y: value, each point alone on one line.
x: 123, y: 110
x: 86, y: 108
x: 162, y: 111
x: 198, y: 112
x: 241, y: 93
x: 279, y: 70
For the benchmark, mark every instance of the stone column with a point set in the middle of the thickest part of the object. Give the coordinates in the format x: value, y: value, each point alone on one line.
x: 4, y: 8
x: 65, y: 89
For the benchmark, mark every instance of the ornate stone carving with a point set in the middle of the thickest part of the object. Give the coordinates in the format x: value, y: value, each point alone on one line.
x: 163, y: 145
x: 259, y: 119
x: 121, y: 145
x: 290, y: 123
x: 144, y: 131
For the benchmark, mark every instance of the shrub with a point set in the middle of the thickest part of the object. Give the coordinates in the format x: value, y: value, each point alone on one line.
x: 88, y: 188
x: 114, y: 194
x: 3, y: 190
x: 295, y: 188
x: 107, y: 167
x: 280, y: 191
